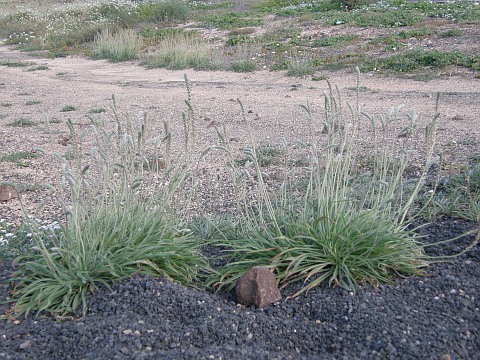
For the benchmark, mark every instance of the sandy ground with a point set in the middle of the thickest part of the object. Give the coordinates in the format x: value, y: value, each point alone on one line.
x: 271, y: 102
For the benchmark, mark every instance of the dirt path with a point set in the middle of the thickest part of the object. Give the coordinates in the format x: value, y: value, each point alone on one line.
x: 271, y: 103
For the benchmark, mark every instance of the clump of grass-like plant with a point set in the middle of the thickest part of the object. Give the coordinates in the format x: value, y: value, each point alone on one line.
x: 182, y: 51
x: 121, y: 218
x: 349, y: 225
x: 122, y: 45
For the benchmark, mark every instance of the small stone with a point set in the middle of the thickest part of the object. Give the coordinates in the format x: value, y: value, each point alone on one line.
x: 127, y: 332
x: 25, y: 344
x: 137, y: 333
x: 64, y: 139
x: 445, y: 357
x: 8, y: 192
x: 257, y: 287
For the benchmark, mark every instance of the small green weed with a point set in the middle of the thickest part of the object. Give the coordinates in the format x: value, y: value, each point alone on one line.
x: 415, y: 33
x: 241, y: 31
x: 244, y: 66
x: 238, y: 39
x: 266, y: 154
x: 33, y: 102
x: 12, y: 63
x: 68, y: 108
x: 22, y: 122
x: 319, y: 78
x: 17, y: 157
x: 39, y: 68
x: 97, y: 111
x: 451, y: 33
x: 335, y: 41
x: 233, y: 20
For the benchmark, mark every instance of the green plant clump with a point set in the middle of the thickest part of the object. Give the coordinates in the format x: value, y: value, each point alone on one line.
x: 120, y: 219
x: 347, y: 226
x: 244, y: 66
x: 122, y: 45
x: 412, y: 60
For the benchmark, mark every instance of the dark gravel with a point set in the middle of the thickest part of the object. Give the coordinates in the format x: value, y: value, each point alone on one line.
x: 433, y: 317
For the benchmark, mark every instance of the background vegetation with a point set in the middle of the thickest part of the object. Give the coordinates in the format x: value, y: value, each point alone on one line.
x: 127, y: 30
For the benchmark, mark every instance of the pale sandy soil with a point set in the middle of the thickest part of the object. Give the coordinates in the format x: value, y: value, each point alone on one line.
x: 271, y: 101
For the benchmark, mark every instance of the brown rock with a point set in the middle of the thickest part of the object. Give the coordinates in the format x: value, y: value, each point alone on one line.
x: 64, y: 139
x: 8, y: 192
x: 257, y: 287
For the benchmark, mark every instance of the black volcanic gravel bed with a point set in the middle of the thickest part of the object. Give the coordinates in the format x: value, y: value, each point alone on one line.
x: 431, y: 317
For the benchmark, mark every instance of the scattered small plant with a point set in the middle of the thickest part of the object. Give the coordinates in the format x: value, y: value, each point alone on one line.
x: 97, y: 111
x: 451, y: 33
x: 412, y: 60
x: 299, y: 67
x: 244, y: 66
x: 335, y: 41
x: 233, y: 20
x: 39, y: 68
x: 266, y: 154
x: 19, y: 156
x: 33, y: 102
x: 12, y: 63
x: 68, y: 108
x: 22, y: 122
x: 241, y: 31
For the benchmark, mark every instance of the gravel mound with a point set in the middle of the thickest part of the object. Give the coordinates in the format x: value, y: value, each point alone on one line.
x: 431, y: 317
